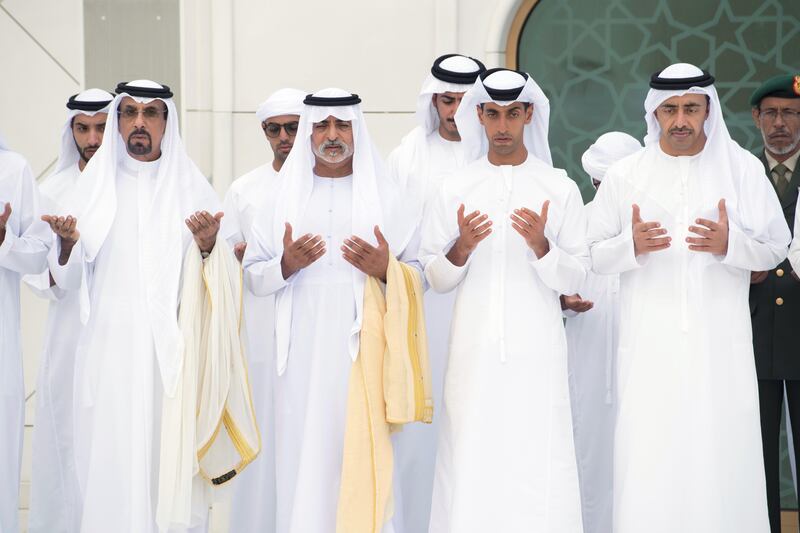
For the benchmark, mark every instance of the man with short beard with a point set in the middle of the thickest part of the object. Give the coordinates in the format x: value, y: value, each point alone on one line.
x: 775, y: 294
x: 333, y: 222
x: 54, y: 486
x: 253, y: 502
x: 683, y: 222
x: 147, y: 253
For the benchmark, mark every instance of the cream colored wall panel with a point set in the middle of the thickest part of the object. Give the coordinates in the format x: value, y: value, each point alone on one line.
x: 475, y: 20
x: 250, y: 148
x: 387, y: 129
x: 57, y: 25
x: 196, y: 134
x: 32, y: 101
x: 381, y: 50
x: 196, y: 23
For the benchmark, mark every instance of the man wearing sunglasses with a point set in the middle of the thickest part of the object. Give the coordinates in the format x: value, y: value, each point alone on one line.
x: 775, y: 294
x: 253, y: 505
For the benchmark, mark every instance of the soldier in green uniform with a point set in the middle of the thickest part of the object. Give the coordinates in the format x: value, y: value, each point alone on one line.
x: 775, y: 294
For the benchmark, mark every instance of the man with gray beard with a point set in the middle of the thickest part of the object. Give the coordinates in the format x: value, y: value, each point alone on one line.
x: 328, y: 223
x: 775, y: 294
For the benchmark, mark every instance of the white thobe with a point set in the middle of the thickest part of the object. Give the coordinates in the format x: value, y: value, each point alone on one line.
x: 506, y: 459
x: 54, y: 499
x: 592, y: 340
x: 23, y: 251
x: 253, y: 501
x: 415, y: 445
x: 311, y: 395
x: 687, y: 442
x: 118, y: 389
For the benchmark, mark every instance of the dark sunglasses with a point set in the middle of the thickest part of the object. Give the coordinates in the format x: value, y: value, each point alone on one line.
x: 273, y: 129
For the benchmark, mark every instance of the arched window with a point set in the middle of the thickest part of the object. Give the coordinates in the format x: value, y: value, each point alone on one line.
x: 594, y: 60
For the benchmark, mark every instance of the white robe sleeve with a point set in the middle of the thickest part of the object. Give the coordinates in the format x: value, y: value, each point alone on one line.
x: 262, y: 270
x: 563, y: 268
x: 68, y: 276
x: 40, y: 285
x: 231, y: 209
x: 610, y: 233
x: 759, y: 240
x: 25, y: 251
x: 410, y: 256
x: 439, y: 233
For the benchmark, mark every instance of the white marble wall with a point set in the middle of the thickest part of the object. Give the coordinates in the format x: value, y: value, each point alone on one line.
x: 235, y: 52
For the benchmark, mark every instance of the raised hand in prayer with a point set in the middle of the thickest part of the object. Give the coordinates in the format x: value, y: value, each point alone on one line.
x: 300, y: 253
x: 3, y: 221
x: 472, y: 229
x: 758, y: 277
x: 372, y: 261
x: 204, y: 228
x: 713, y: 235
x: 239, y: 249
x: 67, y: 230
x: 530, y: 225
x: 575, y: 303
x: 647, y: 236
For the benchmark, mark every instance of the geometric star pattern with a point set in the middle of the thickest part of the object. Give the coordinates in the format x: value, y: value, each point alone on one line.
x: 594, y: 60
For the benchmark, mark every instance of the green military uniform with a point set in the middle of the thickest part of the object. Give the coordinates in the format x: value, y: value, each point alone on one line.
x: 775, y: 310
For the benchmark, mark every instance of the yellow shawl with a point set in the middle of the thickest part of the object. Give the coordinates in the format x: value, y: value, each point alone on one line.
x: 389, y: 385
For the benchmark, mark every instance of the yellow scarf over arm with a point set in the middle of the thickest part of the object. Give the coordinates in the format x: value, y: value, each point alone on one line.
x: 389, y: 384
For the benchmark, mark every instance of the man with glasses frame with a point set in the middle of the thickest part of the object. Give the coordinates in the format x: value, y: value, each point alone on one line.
x: 775, y: 294
x: 253, y: 504
x: 148, y: 217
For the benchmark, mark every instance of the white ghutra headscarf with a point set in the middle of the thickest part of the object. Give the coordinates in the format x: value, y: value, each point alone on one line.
x: 504, y: 87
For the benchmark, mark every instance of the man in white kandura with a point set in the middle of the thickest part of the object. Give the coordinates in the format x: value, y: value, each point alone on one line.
x: 54, y: 499
x: 424, y: 156
x: 592, y: 337
x: 683, y: 222
x: 24, y: 244
x: 508, y: 231
x: 253, y: 501
x: 333, y: 221
x: 136, y: 258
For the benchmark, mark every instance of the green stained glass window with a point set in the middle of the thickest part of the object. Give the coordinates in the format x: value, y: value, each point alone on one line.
x: 594, y: 60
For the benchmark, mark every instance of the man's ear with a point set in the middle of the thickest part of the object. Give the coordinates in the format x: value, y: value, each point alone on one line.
x: 479, y: 109
x: 433, y: 99
x: 755, y: 111
x: 529, y: 114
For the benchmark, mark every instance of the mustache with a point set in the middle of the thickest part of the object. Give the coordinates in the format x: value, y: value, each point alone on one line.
x: 779, y: 132
x: 140, y: 131
x: 680, y: 130
x: 332, y: 144
x: 83, y: 152
x: 345, y: 151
